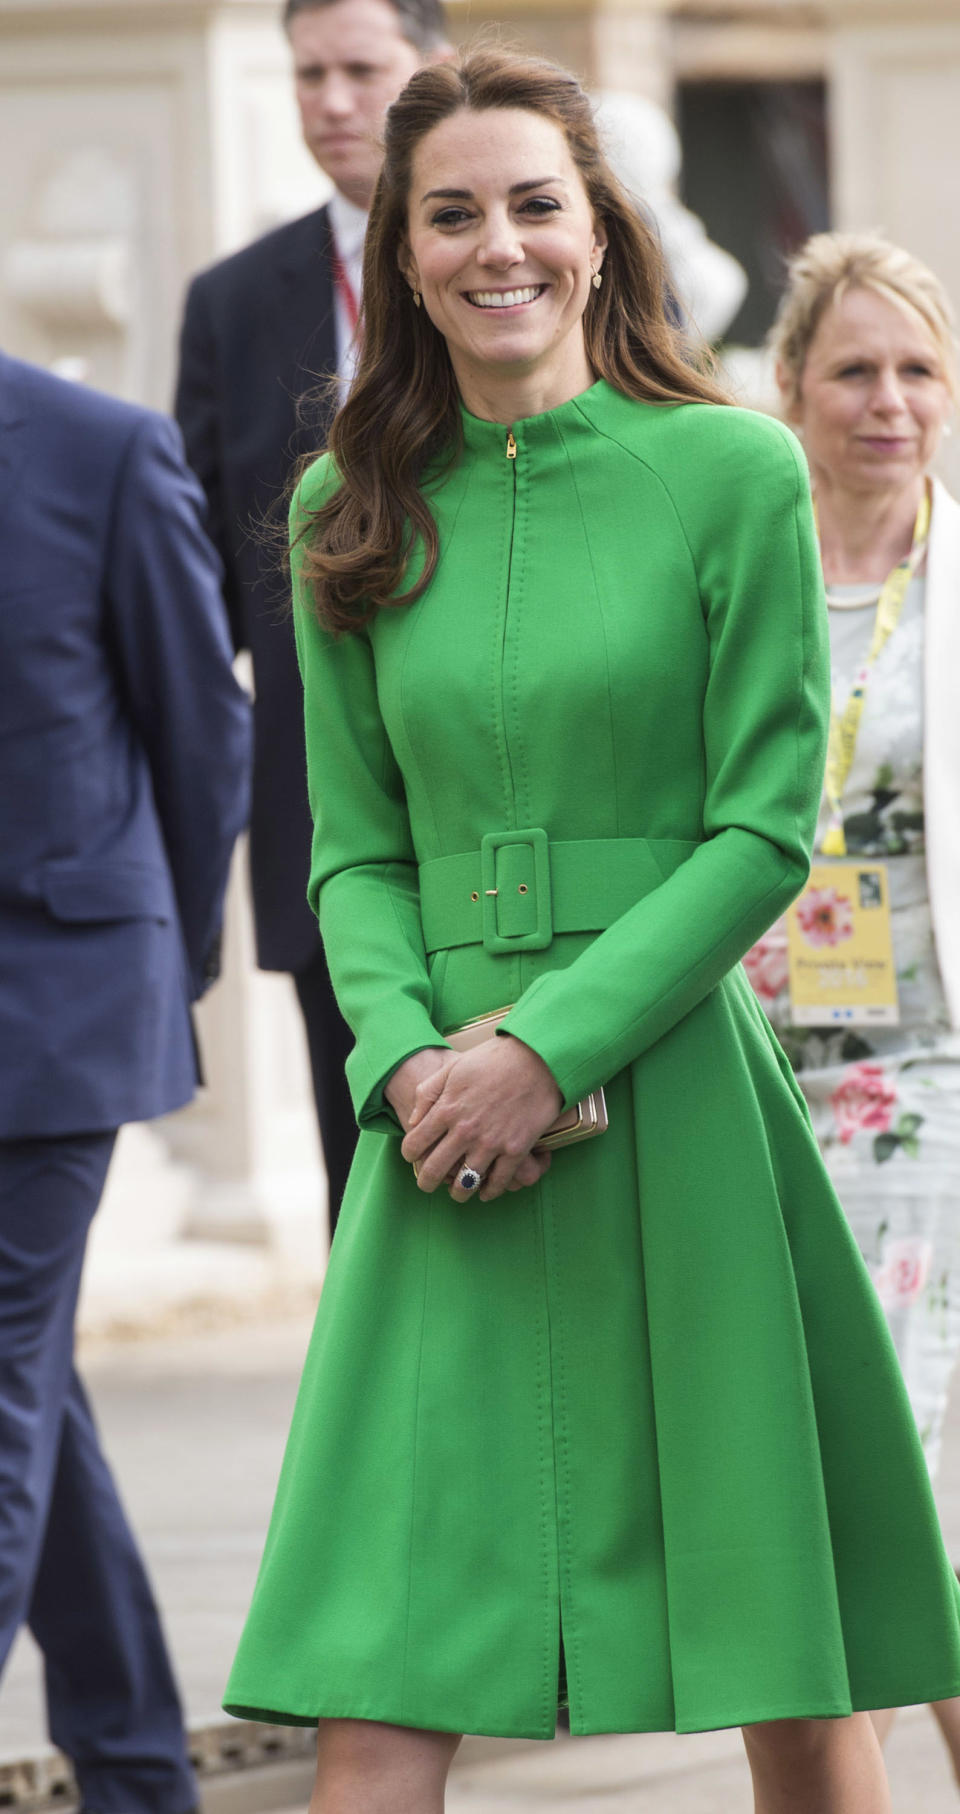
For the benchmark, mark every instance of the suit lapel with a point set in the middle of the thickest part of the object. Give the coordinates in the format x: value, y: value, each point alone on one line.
x: 305, y: 321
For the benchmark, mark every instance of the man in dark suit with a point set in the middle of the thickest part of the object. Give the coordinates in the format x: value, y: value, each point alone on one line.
x: 124, y: 758
x: 261, y: 330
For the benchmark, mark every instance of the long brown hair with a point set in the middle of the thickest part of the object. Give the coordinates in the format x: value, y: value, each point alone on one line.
x: 403, y: 410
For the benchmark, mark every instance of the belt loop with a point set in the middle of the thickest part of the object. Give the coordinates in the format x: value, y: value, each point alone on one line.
x: 538, y: 884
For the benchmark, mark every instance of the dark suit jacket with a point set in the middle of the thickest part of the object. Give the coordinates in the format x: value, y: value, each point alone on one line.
x: 259, y: 335
x: 124, y: 748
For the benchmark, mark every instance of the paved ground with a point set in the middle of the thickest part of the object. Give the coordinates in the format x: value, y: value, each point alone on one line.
x: 195, y: 1428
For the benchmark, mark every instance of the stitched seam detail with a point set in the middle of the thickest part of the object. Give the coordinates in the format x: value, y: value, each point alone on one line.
x: 603, y: 632
x: 427, y: 792
x: 416, y: 1452
x: 546, y: 1466
x: 561, y: 1449
x: 661, y: 482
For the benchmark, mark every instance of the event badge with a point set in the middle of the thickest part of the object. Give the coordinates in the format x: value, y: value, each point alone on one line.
x: 840, y: 949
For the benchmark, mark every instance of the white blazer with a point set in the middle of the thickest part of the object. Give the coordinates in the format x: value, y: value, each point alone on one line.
x: 941, y: 738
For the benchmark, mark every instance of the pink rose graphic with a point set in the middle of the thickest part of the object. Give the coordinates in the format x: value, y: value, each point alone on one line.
x: 824, y: 916
x: 865, y: 1100
x: 767, y: 965
x: 903, y: 1271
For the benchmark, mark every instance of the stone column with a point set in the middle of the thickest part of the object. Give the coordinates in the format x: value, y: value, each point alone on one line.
x: 895, y: 128
x: 140, y: 141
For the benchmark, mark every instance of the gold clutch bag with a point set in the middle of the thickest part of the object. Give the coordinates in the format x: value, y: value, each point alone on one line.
x: 586, y: 1118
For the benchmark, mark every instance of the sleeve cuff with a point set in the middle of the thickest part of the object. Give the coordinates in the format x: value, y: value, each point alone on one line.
x: 368, y: 1080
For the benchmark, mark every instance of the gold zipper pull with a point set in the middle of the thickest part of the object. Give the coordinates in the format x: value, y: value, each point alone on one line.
x: 511, y: 446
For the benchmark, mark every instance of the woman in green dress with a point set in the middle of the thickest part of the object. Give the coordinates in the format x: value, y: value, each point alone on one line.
x: 628, y: 1430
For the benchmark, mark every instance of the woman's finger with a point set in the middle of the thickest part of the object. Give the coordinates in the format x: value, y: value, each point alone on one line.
x: 442, y: 1163
x: 431, y: 1119
x: 428, y: 1092
x: 514, y: 1174
x: 467, y: 1180
x: 531, y: 1170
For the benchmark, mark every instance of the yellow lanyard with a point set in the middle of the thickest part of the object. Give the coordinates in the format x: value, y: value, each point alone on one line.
x: 845, y: 725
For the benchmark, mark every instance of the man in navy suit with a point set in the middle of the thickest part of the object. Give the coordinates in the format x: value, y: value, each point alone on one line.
x: 261, y: 330
x: 124, y: 749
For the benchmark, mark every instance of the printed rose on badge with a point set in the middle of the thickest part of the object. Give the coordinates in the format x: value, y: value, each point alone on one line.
x: 825, y: 917
x: 840, y: 948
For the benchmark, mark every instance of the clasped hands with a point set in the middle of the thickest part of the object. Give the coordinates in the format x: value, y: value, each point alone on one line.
x: 484, y: 1109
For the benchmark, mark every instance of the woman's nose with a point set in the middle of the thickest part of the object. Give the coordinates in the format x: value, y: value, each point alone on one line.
x: 888, y: 393
x: 500, y: 244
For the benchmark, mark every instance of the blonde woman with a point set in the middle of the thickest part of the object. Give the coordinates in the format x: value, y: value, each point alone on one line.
x: 866, y: 367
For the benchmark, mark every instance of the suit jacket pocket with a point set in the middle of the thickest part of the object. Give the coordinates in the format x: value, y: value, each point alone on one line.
x: 84, y: 891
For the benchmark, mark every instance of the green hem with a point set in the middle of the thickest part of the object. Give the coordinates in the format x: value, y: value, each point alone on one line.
x: 755, y: 1716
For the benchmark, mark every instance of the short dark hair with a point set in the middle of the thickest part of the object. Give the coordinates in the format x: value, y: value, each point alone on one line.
x: 422, y: 22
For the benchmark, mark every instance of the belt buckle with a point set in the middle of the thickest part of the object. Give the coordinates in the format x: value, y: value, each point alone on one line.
x: 537, y: 883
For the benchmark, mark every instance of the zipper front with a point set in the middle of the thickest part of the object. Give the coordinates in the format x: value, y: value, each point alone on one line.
x: 512, y: 802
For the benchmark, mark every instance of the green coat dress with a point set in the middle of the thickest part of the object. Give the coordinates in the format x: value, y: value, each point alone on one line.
x: 643, y: 1420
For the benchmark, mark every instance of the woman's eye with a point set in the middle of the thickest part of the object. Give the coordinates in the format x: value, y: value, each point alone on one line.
x: 919, y: 370
x: 449, y: 217
x: 540, y: 204
x: 852, y: 371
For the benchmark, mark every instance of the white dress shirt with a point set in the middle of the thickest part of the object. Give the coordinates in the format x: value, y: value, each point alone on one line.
x: 349, y: 228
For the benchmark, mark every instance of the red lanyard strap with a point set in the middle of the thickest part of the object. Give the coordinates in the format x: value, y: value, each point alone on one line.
x: 345, y: 290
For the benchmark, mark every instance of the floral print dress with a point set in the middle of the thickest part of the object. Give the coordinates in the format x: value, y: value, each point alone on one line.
x: 885, y: 1102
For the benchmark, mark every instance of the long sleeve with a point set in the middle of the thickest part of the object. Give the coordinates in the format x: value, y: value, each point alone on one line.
x: 193, y: 719
x: 764, y: 730
x: 363, y: 873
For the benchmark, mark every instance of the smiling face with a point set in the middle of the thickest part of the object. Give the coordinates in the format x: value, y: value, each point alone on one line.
x: 350, y: 62
x: 502, y: 245
x: 874, y: 395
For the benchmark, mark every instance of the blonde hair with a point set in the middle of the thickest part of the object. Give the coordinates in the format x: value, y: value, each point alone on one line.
x: 831, y: 264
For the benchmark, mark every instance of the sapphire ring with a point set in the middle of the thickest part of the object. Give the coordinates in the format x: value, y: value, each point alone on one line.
x: 468, y: 1179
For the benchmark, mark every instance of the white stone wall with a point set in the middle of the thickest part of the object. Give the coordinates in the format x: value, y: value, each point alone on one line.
x: 138, y: 144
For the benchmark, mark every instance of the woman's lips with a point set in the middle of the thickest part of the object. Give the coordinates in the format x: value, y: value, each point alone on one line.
x: 886, y: 443
x: 518, y: 296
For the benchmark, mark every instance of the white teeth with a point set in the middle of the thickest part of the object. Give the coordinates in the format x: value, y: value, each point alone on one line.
x: 504, y: 299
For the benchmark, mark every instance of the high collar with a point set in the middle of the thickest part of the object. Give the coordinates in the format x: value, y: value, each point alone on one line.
x: 529, y: 432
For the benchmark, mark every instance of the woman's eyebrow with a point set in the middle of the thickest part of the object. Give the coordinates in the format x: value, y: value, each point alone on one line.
x: 466, y: 195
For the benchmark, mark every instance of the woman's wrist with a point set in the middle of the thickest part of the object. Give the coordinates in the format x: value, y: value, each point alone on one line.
x: 401, y: 1086
x: 534, y: 1068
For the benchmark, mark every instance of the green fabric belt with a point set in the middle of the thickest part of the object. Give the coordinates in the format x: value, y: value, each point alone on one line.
x: 519, y: 889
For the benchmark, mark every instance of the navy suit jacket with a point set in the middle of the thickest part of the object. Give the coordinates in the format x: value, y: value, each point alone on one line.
x: 258, y: 342
x: 124, y: 751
